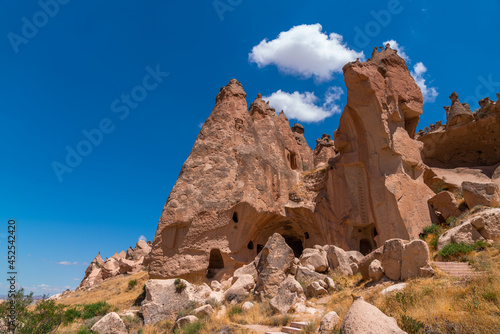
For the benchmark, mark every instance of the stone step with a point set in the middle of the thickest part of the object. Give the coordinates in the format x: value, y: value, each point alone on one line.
x: 290, y: 330
x: 299, y: 324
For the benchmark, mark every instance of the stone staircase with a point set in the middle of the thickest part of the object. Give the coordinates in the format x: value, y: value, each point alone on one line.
x: 457, y: 269
x: 295, y: 327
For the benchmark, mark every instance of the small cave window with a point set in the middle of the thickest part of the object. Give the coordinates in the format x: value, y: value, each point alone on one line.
x: 250, y: 245
x: 365, y: 246
x: 375, y: 233
x: 293, y: 160
x: 259, y: 248
x: 235, y: 217
x: 306, y: 235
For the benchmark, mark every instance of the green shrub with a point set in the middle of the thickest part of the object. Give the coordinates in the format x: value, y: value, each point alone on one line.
x: 451, y: 221
x: 234, y: 310
x: 191, y: 328
x: 490, y: 296
x: 71, y: 314
x: 179, y: 285
x: 84, y: 330
x: 132, y: 283
x: 95, y: 309
x: 455, y: 250
x: 411, y: 325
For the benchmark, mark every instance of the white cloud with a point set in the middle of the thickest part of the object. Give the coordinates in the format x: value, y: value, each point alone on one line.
x: 76, y: 279
x: 67, y: 263
x: 143, y: 238
x: 305, y: 51
x: 303, y: 107
x: 401, y: 50
x: 429, y: 93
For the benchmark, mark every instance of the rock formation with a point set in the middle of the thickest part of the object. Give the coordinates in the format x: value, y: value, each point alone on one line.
x: 468, y: 140
x: 120, y: 263
x: 249, y: 176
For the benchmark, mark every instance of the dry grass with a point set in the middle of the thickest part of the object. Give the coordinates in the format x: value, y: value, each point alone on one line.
x: 114, y: 291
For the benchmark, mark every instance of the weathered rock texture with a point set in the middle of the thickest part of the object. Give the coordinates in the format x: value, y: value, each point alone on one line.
x: 249, y: 176
x: 468, y: 140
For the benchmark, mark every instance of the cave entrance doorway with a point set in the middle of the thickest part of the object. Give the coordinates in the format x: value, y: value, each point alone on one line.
x: 295, y: 244
x: 214, y: 262
x: 365, y: 246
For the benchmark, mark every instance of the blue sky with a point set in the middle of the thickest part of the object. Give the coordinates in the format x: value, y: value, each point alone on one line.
x: 145, y: 74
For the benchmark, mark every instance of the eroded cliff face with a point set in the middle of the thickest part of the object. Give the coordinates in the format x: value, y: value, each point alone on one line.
x: 249, y: 176
x: 232, y: 192
x: 375, y: 187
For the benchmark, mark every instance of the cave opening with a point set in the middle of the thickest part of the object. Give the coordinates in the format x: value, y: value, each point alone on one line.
x: 365, y: 246
x: 214, y: 262
x: 295, y: 244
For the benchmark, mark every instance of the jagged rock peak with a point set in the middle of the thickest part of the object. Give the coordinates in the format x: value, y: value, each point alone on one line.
x: 261, y: 108
x: 325, y: 140
x: 458, y: 113
x: 233, y: 89
x: 298, y: 128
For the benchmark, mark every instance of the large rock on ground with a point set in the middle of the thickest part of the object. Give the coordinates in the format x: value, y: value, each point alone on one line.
x: 338, y: 259
x: 465, y: 233
x: 273, y: 264
x: 315, y: 257
x: 487, y: 223
x: 165, y: 298
x: 307, y: 275
x: 391, y: 259
x: 240, y: 289
x: 376, y: 271
x: 487, y: 194
x: 328, y: 323
x: 445, y: 203
x: 364, y: 263
x: 290, y: 292
x: 364, y: 318
x: 415, y: 260
x: 111, y: 323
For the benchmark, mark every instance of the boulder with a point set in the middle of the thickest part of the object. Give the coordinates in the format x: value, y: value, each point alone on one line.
x: 316, y: 258
x: 273, y: 263
x: 240, y: 289
x: 247, y: 306
x: 290, y: 292
x: 354, y: 256
x: 393, y: 288
x: 487, y: 223
x: 203, y: 311
x: 476, y: 193
x: 215, y: 285
x: 376, y: 271
x: 365, y: 318
x: 307, y: 275
x: 364, y: 263
x: 465, y: 233
x: 315, y: 290
x: 391, y: 258
x: 111, y: 323
x: 338, y: 259
x: 330, y: 283
x: 328, y: 323
x: 445, y: 203
x: 189, y: 319
x: 248, y: 269
x: 164, y: 298
x: 415, y: 260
